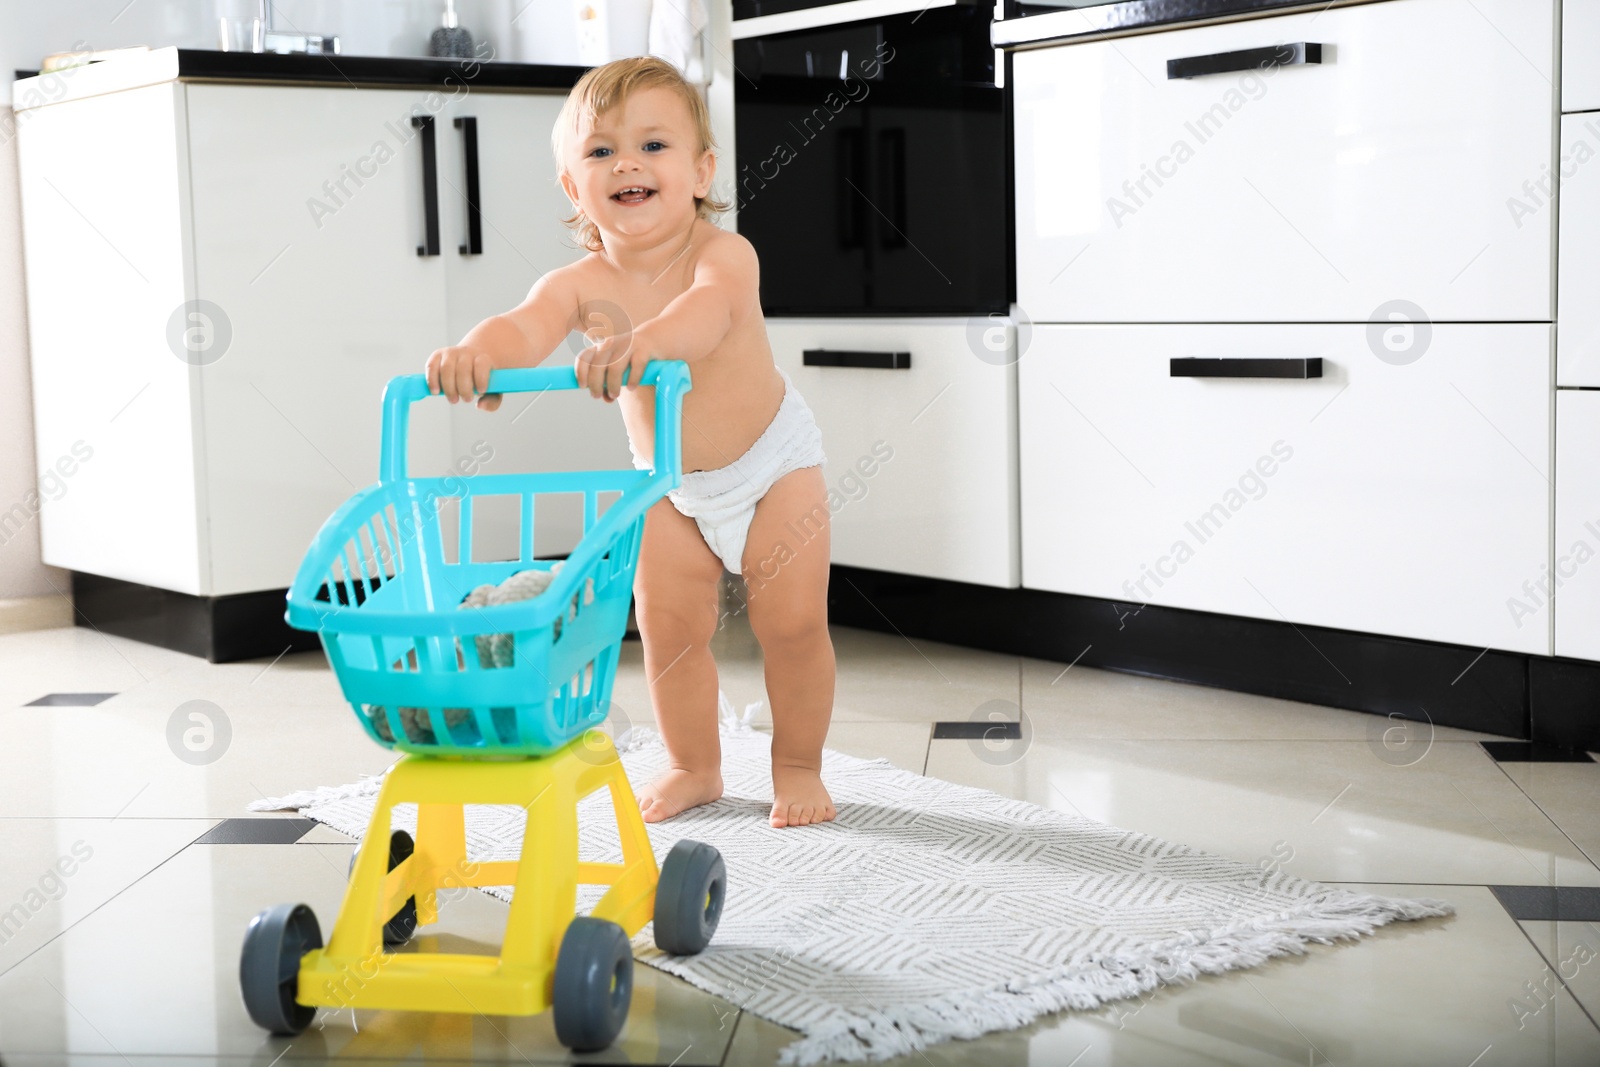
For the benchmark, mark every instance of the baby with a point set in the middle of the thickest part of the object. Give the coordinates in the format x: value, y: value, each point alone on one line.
x: 634, y: 150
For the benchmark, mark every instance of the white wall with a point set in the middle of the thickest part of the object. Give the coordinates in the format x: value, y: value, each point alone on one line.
x: 521, y: 30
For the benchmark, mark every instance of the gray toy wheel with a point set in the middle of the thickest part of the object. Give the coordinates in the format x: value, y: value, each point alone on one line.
x: 269, y: 967
x: 689, y: 898
x: 593, y: 985
x: 399, y: 928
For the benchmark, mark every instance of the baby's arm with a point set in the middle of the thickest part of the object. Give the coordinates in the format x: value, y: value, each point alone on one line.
x: 726, y: 286
x: 521, y: 337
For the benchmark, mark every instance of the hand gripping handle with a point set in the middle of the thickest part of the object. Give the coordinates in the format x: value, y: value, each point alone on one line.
x: 669, y: 376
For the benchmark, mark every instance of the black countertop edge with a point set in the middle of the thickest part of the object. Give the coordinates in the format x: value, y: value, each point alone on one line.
x: 1134, y: 15
x: 357, y: 71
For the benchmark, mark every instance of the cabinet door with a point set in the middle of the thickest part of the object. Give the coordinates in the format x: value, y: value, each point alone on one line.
x: 1405, y: 495
x: 307, y: 215
x: 1580, y: 61
x: 1577, y: 309
x: 521, y: 206
x: 102, y: 212
x: 1576, y: 564
x: 921, y: 462
x: 803, y: 191
x: 1393, y: 170
x: 938, y: 239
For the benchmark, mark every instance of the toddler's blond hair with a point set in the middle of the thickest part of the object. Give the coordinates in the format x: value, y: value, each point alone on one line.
x: 603, y: 88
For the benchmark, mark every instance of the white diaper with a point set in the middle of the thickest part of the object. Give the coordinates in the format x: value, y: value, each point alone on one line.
x: 723, y: 501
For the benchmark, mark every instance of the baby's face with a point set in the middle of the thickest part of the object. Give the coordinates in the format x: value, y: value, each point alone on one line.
x: 636, y: 171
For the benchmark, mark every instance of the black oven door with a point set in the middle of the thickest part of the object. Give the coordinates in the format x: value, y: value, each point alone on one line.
x: 873, y: 167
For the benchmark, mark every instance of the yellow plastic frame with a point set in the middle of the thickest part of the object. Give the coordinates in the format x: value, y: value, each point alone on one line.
x: 354, y: 971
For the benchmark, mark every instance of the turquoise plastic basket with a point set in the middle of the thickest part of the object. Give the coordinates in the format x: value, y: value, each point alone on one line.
x: 377, y: 590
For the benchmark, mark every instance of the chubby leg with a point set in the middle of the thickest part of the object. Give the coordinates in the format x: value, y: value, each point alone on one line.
x: 786, y: 574
x: 675, y: 600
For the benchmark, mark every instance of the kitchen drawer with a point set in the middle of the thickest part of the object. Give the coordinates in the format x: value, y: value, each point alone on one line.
x: 1577, y: 310
x: 1303, y: 193
x: 1407, y: 498
x: 1580, y: 55
x: 921, y: 465
x: 1577, y: 534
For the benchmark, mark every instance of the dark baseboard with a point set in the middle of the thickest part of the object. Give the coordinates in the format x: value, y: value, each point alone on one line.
x: 1555, y: 701
x: 1506, y: 693
x: 222, y: 629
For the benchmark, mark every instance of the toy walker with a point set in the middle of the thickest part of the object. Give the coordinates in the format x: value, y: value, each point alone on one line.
x: 377, y: 588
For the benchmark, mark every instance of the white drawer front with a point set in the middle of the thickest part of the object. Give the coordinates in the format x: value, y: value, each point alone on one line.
x: 1576, y: 564
x: 921, y: 462
x: 1401, y: 498
x: 1580, y: 55
x: 1578, y: 308
x: 1310, y: 193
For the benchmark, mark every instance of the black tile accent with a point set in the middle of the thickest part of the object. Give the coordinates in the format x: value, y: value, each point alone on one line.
x: 1543, y: 902
x: 1533, y: 752
x: 977, y: 730
x: 256, y: 832
x: 1458, y: 686
x: 69, y: 700
x: 222, y: 629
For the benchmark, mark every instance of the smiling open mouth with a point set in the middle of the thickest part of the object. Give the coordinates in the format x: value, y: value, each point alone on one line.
x: 635, y: 195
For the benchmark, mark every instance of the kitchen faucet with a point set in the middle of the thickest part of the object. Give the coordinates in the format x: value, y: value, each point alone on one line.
x: 274, y: 40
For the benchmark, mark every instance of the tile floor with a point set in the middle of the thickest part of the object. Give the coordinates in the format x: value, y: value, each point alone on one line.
x: 132, y: 958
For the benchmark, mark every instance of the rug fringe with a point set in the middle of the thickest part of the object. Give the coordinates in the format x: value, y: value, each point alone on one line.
x: 1095, y: 981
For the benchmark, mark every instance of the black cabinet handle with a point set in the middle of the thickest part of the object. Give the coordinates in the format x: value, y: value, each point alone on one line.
x: 850, y: 162
x: 892, y: 187
x: 430, y: 184
x: 1278, y: 55
x: 822, y: 357
x: 1246, y: 367
x: 468, y: 125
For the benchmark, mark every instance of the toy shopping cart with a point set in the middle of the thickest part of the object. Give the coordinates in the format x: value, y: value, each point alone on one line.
x: 477, y: 729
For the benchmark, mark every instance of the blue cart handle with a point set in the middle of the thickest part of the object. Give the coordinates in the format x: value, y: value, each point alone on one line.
x: 669, y: 376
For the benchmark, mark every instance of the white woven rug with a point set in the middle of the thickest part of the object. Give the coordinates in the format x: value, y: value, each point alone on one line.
x: 930, y: 911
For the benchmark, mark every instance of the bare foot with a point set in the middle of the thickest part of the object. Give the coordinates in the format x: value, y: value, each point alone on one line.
x: 799, y: 797
x: 677, y: 790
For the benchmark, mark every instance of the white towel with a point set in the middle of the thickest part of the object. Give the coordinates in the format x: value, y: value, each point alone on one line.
x: 675, y: 29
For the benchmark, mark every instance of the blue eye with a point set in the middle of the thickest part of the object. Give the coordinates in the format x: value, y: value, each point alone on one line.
x: 598, y: 151
x: 654, y: 144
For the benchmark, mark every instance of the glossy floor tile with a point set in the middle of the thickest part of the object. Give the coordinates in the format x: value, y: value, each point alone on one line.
x: 1571, y: 952
x: 123, y: 758
x: 132, y: 958
x: 1568, y: 794
x: 155, y: 972
x: 57, y: 871
x: 1347, y: 814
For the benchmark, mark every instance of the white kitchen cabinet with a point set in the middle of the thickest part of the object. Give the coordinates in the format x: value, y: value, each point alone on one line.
x: 324, y: 304
x: 1573, y: 580
x: 1578, y: 307
x: 1580, y: 55
x: 221, y: 279
x: 521, y: 206
x: 921, y: 461
x: 1389, y: 496
x: 1312, y: 193
x: 102, y: 371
